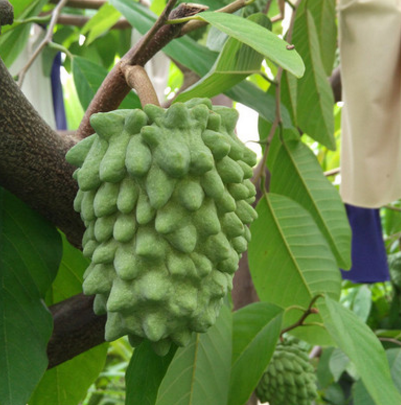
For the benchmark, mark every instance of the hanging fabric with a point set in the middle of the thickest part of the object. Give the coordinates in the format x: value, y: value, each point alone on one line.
x: 369, y: 259
x: 370, y: 54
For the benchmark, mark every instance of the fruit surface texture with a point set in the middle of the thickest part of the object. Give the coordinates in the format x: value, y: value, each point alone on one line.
x: 165, y: 195
x: 290, y: 378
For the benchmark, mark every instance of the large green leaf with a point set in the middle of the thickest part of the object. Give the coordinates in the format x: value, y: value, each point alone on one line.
x: 314, y: 103
x: 258, y: 38
x: 101, y: 22
x: 256, y: 329
x: 29, y: 258
x: 12, y: 42
x: 88, y: 77
x: 363, y: 348
x: 296, y: 173
x: 235, y: 62
x: 361, y: 395
x: 67, y: 384
x: 290, y: 260
x: 145, y: 374
x: 200, y: 372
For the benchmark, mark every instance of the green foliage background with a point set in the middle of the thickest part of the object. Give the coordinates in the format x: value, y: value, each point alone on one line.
x: 294, y: 255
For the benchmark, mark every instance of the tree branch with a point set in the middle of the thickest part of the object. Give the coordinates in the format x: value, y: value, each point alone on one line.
x: 76, y: 329
x: 32, y: 163
x: 115, y: 88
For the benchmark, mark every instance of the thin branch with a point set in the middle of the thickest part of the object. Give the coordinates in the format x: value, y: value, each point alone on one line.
x: 267, y: 7
x: 391, y: 340
x: 46, y: 40
x: 85, y: 4
x: 391, y: 207
x: 301, y: 321
x: 332, y: 172
x: 260, y: 170
x: 393, y: 236
x: 81, y: 20
x: 152, y: 32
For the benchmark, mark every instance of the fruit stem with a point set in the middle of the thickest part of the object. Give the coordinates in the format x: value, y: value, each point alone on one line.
x: 137, y: 78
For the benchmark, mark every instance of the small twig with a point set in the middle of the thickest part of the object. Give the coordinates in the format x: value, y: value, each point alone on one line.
x: 391, y: 340
x: 80, y: 21
x: 47, y: 39
x: 157, y: 25
x: 332, y: 172
x: 391, y: 207
x: 230, y: 8
x: 393, y: 236
x: 267, y: 7
x: 310, y: 310
x: 85, y: 4
x: 260, y: 170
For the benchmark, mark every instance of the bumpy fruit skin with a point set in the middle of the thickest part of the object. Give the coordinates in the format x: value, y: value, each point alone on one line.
x: 289, y: 379
x: 165, y: 196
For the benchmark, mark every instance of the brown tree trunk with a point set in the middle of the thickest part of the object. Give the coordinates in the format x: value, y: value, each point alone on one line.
x: 32, y: 160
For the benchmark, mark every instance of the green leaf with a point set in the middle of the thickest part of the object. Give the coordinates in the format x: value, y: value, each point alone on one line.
x: 68, y: 383
x: 200, y: 372
x: 361, y: 395
x: 13, y: 41
x: 235, y: 62
x: 256, y: 329
x: 29, y: 258
x: 258, y: 38
x: 145, y: 374
x: 289, y: 259
x: 70, y: 274
x: 314, y: 103
x: 324, y: 15
x: 363, y: 348
x: 100, y: 23
x: 323, y: 373
x: 265, y: 104
x: 296, y: 173
x: 88, y: 77
x: 339, y: 362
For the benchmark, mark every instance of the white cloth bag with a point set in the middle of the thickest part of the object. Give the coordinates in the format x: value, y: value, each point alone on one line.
x: 370, y: 53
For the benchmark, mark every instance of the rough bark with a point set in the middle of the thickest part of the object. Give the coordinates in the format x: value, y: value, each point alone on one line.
x: 76, y: 329
x: 32, y: 162
x: 6, y: 13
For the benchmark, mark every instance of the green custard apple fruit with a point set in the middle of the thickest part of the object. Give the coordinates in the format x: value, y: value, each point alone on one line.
x: 289, y: 379
x: 165, y: 195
